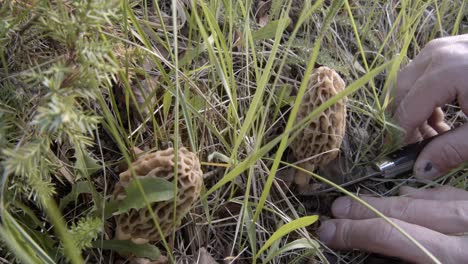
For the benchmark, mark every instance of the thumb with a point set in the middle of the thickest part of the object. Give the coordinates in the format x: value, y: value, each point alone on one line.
x: 442, y: 154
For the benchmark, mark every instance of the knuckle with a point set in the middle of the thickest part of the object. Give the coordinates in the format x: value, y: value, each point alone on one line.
x: 461, y: 213
x: 435, y: 44
x: 400, y: 208
x: 439, y: 56
x: 346, y: 234
x: 365, y: 234
x: 448, y: 56
x: 386, y: 232
x: 356, y: 209
x: 401, y: 116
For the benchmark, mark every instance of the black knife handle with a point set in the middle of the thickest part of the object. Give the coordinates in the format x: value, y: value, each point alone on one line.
x: 401, y: 161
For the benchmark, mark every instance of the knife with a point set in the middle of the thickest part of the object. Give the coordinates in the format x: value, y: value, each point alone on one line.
x: 400, y: 161
x: 397, y: 163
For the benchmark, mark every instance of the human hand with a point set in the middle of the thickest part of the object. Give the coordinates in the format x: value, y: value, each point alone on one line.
x: 437, y: 76
x: 430, y: 216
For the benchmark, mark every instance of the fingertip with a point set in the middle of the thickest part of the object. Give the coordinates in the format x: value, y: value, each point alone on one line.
x: 442, y: 154
x: 441, y: 127
x: 377, y: 236
x: 426, y: 169
x: 341, y: 207
x: 414, y: 137
x: 327, y: 231
x: 427, y: 131
x: 437, y: 121
x: 437, y: 116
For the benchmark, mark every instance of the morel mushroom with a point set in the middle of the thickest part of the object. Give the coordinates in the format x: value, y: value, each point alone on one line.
x: 137, y: 225
x: 317, y: 144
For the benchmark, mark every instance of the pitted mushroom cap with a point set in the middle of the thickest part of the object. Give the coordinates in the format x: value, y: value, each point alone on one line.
x: 137, y: 225
x: 317, y: 143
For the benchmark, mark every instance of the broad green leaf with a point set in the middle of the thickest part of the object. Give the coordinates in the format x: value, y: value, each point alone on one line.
x: 112, y: 207
x: 302, y: 243
x: 77, y: 189
x: 198, y: 102
x: 127, y: 247
x: 269, y: 30
x: 86, y: 164
x: 155, y: 190
x: 92, y: 164
x: 286, y: 229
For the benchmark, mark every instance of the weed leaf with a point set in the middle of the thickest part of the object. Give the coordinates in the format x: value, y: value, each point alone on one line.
x: 269, y: 30
x: 302, y: 243
x: 77, y: 189
x: 286, y: 229
x: 155, y: 190
x: 127, y: 247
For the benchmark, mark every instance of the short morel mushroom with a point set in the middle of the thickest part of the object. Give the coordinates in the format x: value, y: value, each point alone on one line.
x: 137, y: 225
x: 319, y: 142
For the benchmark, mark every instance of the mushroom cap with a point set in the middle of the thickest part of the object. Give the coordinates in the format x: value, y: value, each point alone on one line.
x: 324, y: 133
x: 137, y: 224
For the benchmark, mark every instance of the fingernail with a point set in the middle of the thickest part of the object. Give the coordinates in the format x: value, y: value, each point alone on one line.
x: 341, y: 206
x: 326, y: 232
x: 426, y: 169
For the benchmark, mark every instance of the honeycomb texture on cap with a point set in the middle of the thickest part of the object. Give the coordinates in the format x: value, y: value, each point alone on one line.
x: 137, y: 224
x: 327, y: 130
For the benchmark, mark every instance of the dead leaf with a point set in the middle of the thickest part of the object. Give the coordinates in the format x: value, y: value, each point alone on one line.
x: 205, y: 257
x: 262, y: 12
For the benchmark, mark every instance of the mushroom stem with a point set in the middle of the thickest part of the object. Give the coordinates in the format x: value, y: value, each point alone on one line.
x: 301, y: 177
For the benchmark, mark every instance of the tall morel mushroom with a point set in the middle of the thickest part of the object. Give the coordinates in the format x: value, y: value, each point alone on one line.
x: 137, y: 225
x: 319, y: 142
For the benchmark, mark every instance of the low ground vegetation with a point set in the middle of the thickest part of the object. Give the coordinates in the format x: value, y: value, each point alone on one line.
x: 86, y: 86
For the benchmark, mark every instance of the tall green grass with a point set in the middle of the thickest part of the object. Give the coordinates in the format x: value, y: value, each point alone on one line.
x: 74, y: 76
